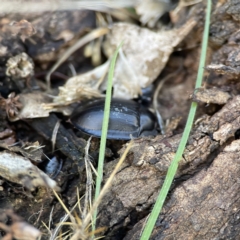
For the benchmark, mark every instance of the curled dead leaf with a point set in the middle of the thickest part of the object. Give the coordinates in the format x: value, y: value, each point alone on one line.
x: 12, y: 104
x: 143, y: 56
x: 20, y: 66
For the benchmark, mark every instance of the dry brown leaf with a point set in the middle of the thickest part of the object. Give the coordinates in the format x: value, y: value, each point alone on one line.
x: 142, y: 58
x: 80, y: 87
x: 144, y: 55
x: 11, y: 104
x: 34, y: 106
x: 20, y: 170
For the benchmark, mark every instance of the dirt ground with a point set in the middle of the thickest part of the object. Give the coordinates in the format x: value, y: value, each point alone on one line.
x: 203, y: 202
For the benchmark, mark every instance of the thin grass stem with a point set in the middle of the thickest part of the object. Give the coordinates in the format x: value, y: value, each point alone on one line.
x: 174, y: 165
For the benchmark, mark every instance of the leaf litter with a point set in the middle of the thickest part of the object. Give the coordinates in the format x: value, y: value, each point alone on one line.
x: 135, y: 70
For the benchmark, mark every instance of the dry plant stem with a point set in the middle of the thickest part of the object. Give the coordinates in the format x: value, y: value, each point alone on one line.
x: 43, y: 6
x: 183, y: 4
x: 87, y: 204
x: 54, y: 134
x: 156, y: 105
x: 87, y: 38
x: 50, y: 220
x: 64, y: 207
x: 48, y: 229
x: 49, y: 225
x: 93, y: 169
x: 100, y: 81
x: 72, y: 69
x: 79, y: 201
x: 55, y: 232
x: 89, y: 182
x: 107, y: 185
x: 172, y: 170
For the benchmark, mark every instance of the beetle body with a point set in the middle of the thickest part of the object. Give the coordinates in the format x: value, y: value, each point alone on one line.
x: 127, y: 119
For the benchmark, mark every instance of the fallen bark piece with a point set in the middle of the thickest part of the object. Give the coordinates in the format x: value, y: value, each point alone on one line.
x: 136, y: 186
x: 20, y: 170
x: 212, y: 95
x: 66, y: 141
x: 32, y: 151
x: 225, y: 122
x: 232, y: 72
x: 205, y: 206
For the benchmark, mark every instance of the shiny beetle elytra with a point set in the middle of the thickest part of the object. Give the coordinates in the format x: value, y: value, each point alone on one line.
x: 127, y: 120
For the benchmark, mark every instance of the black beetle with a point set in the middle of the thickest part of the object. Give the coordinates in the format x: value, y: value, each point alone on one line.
x: 127, y: 120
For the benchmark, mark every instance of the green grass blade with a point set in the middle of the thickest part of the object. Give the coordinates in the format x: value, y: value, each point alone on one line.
x: 174, y: 165
x: 105, y: 129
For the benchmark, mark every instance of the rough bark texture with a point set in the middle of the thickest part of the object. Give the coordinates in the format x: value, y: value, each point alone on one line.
x: 206, y: 206
x: 206, y: 177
